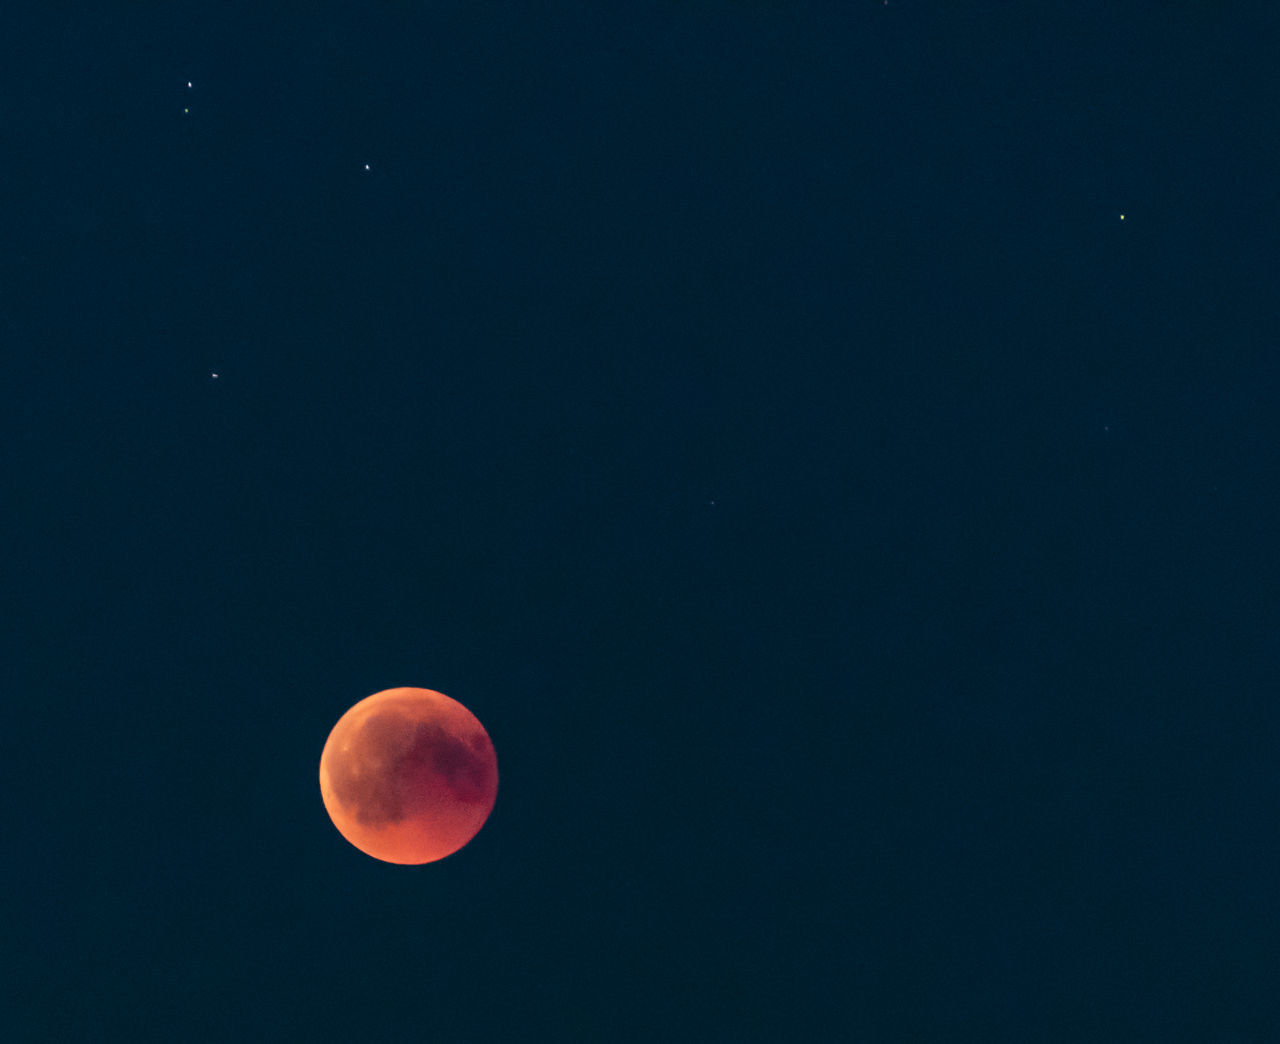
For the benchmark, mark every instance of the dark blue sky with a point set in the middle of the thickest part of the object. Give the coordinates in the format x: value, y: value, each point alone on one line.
x: 856, y: 538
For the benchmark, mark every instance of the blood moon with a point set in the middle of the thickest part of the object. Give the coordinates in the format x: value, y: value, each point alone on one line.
x: 408, y: 775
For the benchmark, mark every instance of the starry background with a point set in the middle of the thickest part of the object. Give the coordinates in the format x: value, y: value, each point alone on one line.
x: 857, y: 538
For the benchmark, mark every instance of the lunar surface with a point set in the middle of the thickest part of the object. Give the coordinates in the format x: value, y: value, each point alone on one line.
x: 408, y: 775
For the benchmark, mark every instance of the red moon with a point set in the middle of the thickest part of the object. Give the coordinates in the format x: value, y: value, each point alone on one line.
x: 408, y: 775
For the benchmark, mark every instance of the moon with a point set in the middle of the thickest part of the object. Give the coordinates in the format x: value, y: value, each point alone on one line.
x: 408, y: 775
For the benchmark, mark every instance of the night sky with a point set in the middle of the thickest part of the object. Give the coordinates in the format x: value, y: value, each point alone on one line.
x: 831, y: 446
